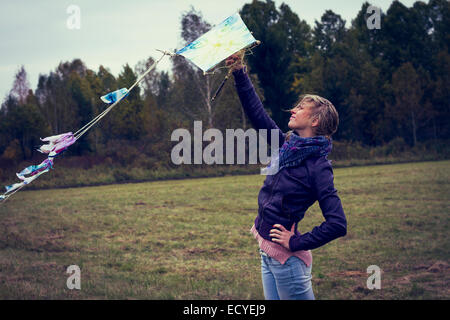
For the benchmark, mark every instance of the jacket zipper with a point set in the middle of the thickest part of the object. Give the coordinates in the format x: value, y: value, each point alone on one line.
x: 267, y: 202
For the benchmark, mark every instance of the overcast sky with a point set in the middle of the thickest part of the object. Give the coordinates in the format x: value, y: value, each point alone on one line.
x: 113, y: 33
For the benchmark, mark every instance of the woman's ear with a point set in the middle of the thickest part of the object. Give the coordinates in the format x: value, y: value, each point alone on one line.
x: 315, y: 122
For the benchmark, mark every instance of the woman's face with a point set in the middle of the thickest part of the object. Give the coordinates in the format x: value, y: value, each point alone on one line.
x: 301, y: 119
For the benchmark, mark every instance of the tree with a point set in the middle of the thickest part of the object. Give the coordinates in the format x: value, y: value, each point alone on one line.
x: 55, y: 98
x: 284, y: 37
x: 107, y: 81
x: 327, y: 32
x: 21, y: 85
x: 150, y: 84
x: 193, y: 26
x: 126, y: 119
x: 405, y: 36
x: 85, y: 99
x: 408, y: 93
x: 441, y: 95
x: 365, y: 106
x: 439, y: 23
x: 163, y: 88
x: 21, y: 124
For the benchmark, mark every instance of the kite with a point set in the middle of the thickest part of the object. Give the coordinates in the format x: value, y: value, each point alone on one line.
x: 225, y: 39
x: 218, y: 43
x: 206, y: 52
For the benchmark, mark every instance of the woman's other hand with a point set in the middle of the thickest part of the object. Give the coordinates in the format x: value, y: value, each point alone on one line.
x: 281, y: 235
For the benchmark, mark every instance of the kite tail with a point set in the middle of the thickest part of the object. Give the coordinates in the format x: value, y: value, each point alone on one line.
x: 59, y: 143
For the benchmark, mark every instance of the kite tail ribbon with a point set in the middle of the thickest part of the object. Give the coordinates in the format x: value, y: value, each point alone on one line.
x: 10, y: 190
x: 55, y: 146
x: 33, y: 170
x: 115, y: 96
x: 59, y: 143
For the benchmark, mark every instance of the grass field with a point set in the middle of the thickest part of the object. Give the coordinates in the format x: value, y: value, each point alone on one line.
x: 189, y: 239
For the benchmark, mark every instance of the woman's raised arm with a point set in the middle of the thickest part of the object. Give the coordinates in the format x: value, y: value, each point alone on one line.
x: 250, y: 101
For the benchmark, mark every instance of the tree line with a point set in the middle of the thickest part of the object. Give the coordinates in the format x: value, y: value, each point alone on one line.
x: 386, y: 83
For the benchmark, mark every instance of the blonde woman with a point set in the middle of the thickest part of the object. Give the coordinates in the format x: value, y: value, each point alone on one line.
x: 304, y: 176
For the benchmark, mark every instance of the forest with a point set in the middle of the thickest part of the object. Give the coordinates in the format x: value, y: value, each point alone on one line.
x: 389, y: 85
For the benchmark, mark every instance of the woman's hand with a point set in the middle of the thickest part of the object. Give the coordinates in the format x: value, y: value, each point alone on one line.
x: 282, y: 235
x: 234, y: 62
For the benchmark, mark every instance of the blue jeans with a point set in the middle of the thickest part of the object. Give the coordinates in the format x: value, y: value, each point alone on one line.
x: 288, y: 281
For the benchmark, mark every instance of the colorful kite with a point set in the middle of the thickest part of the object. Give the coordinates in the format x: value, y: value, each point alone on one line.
x: 218, y: 43
x: 206, y: 52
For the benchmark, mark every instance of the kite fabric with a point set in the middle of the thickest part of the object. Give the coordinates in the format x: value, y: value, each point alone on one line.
x: 17, y: 186
x: 218, y: 43
x: 114, y: 96
x: 33, y: 170
x: 57, y: 144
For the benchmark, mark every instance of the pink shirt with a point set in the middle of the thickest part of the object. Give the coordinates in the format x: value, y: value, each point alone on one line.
x: 278, y: 252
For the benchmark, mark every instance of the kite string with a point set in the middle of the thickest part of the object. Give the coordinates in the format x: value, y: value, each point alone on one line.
x: 89, y: 125
x: 241, y: 54
x: 86, y: 127
x: 10, y: 194
x: 83, y: 130
x: 78, y: 134
x: 106, y: 110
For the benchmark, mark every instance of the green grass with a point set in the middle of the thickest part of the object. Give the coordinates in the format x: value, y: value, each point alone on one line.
x: 190, y: 239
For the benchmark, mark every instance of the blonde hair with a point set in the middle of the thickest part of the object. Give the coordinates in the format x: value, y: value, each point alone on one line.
x: 323, y: 110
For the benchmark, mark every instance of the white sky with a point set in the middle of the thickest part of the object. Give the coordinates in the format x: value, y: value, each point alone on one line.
x: 113, y: 33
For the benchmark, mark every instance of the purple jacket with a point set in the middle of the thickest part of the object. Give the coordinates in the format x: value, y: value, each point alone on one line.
x: 285, y: 196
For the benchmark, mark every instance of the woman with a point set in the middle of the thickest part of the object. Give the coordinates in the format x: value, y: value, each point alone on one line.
x: 303, y: 176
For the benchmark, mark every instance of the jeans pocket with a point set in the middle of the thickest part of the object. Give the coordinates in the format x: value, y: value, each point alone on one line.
x: 292, y: 281
x: 299, y: 266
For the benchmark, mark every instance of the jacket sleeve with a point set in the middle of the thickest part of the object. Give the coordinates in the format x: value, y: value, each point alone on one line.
x: 335, y: 224
x: 253, y: 106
